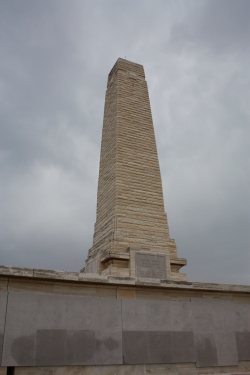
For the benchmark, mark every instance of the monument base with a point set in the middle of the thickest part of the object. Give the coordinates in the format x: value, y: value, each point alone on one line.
x: 136, y: 262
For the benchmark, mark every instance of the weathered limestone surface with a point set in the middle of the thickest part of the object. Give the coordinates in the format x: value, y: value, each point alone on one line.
x: 130, y: 208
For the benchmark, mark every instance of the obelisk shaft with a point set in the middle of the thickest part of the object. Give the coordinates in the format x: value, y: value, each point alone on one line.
x: 130, y: 207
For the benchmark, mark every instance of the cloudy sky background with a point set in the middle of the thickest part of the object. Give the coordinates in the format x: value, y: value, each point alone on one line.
x: 55, y: 58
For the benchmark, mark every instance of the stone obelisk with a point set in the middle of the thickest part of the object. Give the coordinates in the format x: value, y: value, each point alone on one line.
x: 131, y: 236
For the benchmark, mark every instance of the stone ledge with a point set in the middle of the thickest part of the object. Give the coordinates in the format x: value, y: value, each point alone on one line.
x: 8, y: 271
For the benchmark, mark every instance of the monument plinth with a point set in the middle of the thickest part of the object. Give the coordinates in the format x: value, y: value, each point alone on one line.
x: 131, y: 223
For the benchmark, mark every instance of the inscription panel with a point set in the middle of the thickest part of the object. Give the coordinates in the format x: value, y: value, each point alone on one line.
x: 150, y: 266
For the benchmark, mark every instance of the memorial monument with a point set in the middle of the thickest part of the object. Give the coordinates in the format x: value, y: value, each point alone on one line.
x: 131, y: 236
x: 129, y: 311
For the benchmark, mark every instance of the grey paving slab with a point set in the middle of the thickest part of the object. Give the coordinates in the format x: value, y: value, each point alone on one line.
x: 158, y: 315
x: 134, y: 315
x: 183, y: 348
x: 205, y: 350
x: 159, y: 347
x: 108, y: 313
x: 51, y: 347
x: 80, y: 347
x: 108, y: 347
x: 243, y: 345
x: 226, y: 349
x: 181, y: 316
x: 202, y: 315
x: 135, y: 347
x: 3, y: 305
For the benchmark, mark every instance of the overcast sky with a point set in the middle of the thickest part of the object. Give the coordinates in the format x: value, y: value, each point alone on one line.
x: 55, y: 56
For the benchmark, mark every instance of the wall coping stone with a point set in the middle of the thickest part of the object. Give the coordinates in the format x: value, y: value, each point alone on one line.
x: 122, y: 281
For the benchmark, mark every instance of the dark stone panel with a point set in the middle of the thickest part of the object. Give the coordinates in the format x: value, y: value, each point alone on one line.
x: 158, y: 316
x: 51, y: 347
x: 23, y: 350
x: 108, y: 347
x: 159, y: 347
x: 80, y: 347
x: 205, y: 349
x: 134, y: 315
x: 202, y: 315
x: 135, y: 347
x: 183, y: 347
x: 243, y: 345
x: 226, y: 349
x: 181, y: 316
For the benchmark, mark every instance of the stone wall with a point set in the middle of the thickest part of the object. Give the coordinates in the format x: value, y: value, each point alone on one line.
x: 98, y: 325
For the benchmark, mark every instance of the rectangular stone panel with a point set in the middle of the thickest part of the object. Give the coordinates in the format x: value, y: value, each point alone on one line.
x: 226, y: 349
x: 150, y: 266
x: 158, y: 315
x: 159, y: 347
x: 183, y: 347
x: 3, y: 305
x: 134, y: 315
x: 107, y: 313
x: 108, y: 347
x: 181, y: 316
x: 202, y: 315
x: 205, y: 350
x: 135, y: 347
x: 223, y: 316
x: 243, y: 345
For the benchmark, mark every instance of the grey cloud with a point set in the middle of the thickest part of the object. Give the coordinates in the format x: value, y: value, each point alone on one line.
x: 220, y: 26
x: 55, y: 58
